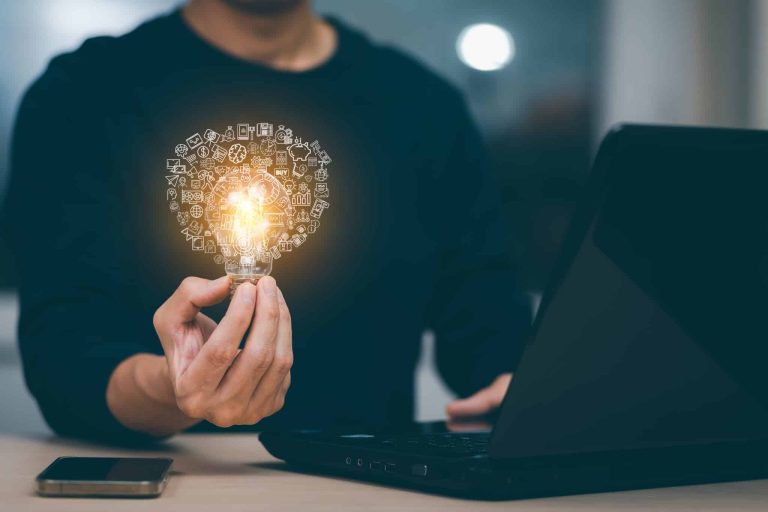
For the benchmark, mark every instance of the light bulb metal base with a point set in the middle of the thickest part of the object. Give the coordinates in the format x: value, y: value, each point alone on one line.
x: 236, y: 280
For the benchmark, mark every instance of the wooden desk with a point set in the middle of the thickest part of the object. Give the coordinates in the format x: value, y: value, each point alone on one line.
x: 233, y: 472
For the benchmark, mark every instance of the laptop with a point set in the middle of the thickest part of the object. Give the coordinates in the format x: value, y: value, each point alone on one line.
x: 646, y: 364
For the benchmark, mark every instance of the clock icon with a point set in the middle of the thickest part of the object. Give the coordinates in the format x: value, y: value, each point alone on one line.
x: 267, y: 147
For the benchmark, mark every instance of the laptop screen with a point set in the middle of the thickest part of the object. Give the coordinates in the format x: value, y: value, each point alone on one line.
x: 687, y: 220
x: 653, y: 332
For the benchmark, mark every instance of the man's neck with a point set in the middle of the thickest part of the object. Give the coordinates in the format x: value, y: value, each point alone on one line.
x: 294, y: 40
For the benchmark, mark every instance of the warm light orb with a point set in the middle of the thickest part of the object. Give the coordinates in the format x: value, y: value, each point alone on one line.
x: 239, y: 202
x: 485, y: 47
x: 255, y: 192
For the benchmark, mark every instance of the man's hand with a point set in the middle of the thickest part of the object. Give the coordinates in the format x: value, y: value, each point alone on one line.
x: 471, y: 410
x: 211, y: 378
x: 204, y: 374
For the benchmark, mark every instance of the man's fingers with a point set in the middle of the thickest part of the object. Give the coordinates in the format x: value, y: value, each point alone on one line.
x: 217, y: 354
x: 178, y: 320
x: 206, y: 324
x: 484, y: 401
x: 478, y: 404
x: 280, y: 398
x: 252, y: 384
x: 260, y: 346
x: 192, y: 294
x: 269, y: 394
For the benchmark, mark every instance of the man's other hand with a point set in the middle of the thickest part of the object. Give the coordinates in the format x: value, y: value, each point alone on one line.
x: 211, y: 377
x: 469, y: 413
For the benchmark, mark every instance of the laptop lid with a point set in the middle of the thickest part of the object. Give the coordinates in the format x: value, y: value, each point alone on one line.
x: 653, y: 331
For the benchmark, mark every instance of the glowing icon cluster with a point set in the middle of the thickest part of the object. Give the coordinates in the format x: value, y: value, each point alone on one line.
x: 248, y: 195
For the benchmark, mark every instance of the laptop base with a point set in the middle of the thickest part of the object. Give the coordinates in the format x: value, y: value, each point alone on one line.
x: 479, y: 477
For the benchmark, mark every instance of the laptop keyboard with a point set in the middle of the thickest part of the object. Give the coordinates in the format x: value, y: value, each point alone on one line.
x: 444, y: 445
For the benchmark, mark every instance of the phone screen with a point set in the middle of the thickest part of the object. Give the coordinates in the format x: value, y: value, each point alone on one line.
x: 107, y: 469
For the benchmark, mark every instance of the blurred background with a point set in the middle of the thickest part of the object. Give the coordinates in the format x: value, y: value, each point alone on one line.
x: 544, y: 80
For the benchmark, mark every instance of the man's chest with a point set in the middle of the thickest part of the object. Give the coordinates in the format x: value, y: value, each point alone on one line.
x: 351, y: 163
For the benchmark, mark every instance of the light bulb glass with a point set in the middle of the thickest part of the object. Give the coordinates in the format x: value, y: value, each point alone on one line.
x: 248, y: 223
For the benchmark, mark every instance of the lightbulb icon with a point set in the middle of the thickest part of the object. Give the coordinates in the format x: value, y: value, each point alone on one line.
x: 252, y: 211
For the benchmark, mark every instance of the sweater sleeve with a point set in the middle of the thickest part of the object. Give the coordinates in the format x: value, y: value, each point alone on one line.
x: 479, y: 315
x: 63, y: 225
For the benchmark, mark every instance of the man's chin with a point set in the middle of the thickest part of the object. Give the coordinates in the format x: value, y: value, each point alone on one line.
x: 265, y: 7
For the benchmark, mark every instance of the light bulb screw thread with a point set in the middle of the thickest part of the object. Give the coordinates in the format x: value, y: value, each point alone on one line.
x: 236, y: 280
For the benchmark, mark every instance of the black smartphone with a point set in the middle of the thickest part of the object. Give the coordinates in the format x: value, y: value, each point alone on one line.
x: 104, y: 476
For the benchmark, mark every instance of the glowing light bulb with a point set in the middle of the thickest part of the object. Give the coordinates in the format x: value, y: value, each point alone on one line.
x: 249, y: 199
x: 252, y: 236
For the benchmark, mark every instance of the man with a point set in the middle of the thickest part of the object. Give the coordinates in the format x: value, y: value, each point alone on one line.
x: 410, y: 241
